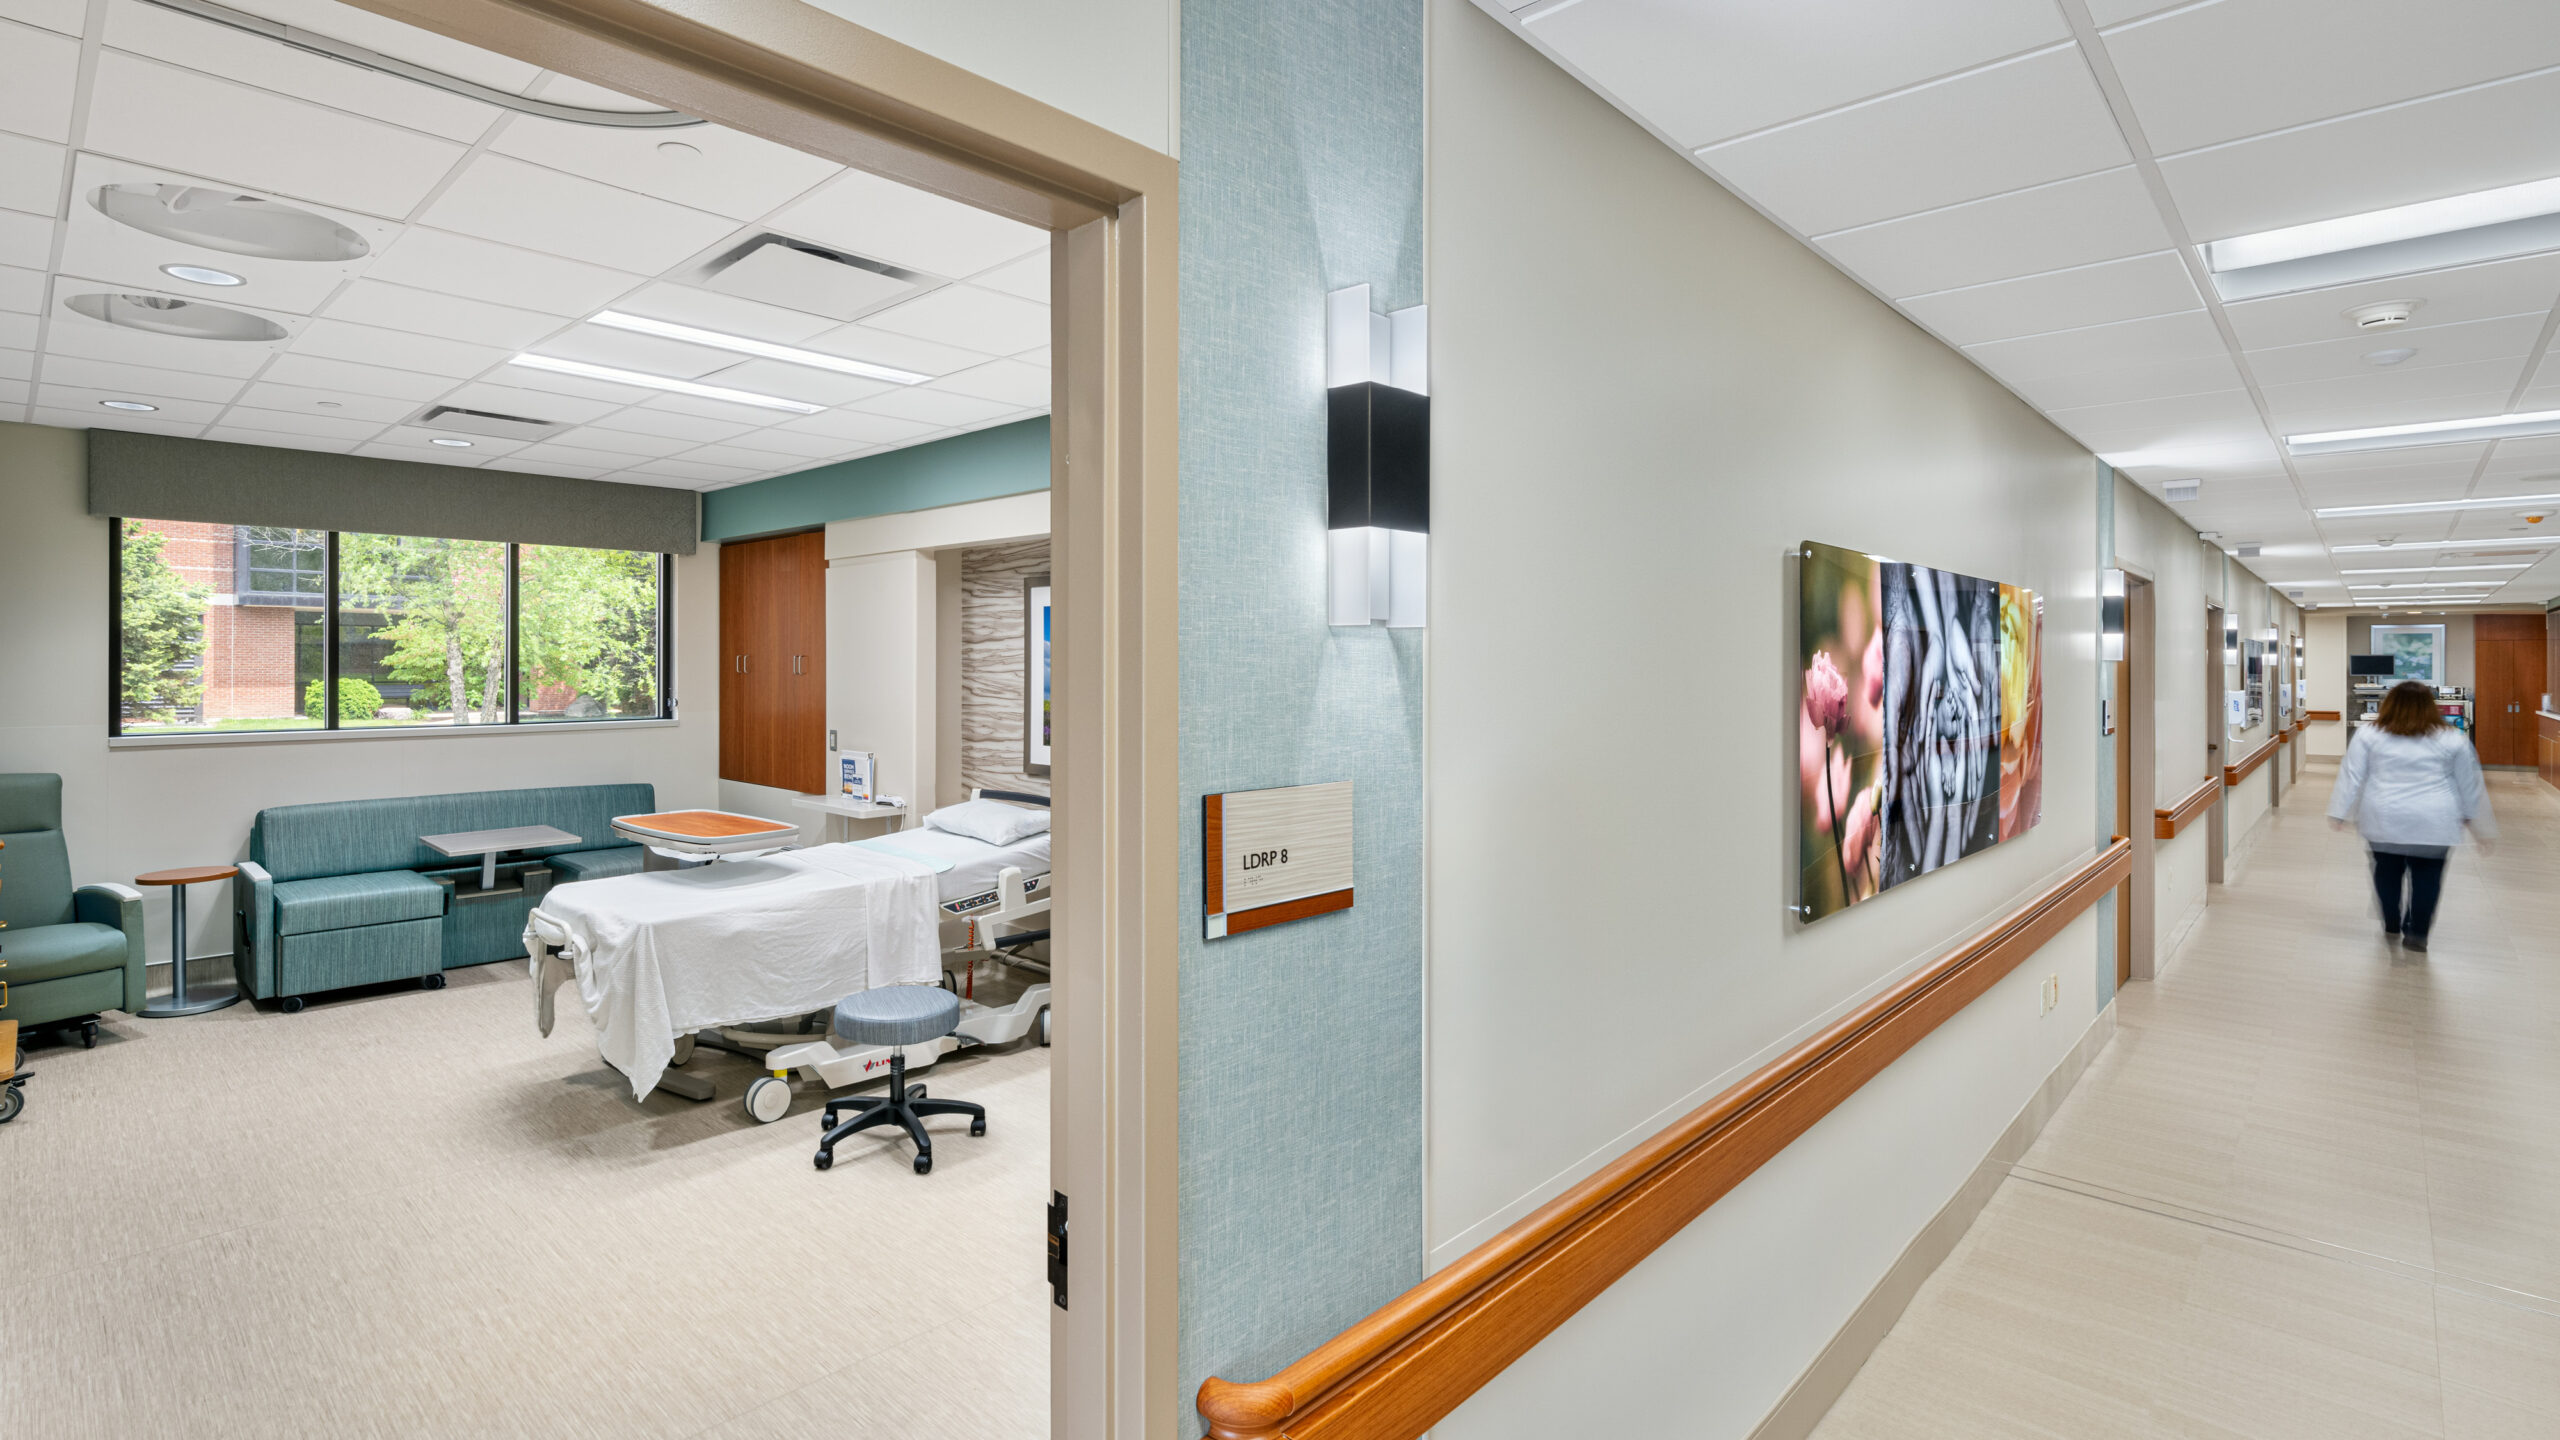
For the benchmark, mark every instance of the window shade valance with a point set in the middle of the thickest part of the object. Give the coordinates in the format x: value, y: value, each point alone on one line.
x: 164, y: 477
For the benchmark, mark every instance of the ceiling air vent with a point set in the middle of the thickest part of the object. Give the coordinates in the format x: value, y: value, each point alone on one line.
x: 2248, y: 549
x: 796, y: 275
x: 2177, y: 491
x: 486, y: 422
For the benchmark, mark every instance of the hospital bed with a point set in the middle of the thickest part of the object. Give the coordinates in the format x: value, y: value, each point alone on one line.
x: 725, y: 954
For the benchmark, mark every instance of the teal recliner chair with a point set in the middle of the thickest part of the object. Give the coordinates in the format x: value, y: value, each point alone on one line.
x: 68, y: 953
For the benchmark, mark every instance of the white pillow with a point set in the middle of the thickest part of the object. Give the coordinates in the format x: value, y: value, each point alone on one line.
x: 993, y: 821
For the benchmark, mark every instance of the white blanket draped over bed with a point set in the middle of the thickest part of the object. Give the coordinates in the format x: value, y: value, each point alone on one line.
x: 668, y: 952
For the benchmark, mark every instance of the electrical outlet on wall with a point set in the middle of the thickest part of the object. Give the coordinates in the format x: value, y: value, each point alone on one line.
x: 2049, y: 995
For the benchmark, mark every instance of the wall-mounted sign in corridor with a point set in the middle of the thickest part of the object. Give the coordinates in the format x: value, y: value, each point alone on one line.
x: 1275, y: 855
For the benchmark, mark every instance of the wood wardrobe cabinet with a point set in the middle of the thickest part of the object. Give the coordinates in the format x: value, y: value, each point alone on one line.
x: 2507, y: 682
x: 773, y: 648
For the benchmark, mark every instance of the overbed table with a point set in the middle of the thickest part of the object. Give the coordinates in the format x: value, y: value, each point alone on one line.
x: 489, y: 844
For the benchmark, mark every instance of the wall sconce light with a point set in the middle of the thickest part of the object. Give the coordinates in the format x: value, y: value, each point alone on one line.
x: 1378, y: 462
x: 2297, y: 652
x: 2111, y: 615
x: 2231, y: 640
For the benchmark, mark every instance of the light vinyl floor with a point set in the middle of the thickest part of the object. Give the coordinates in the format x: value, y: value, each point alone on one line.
x: 405, y: 1214
x: 2312, y: 1188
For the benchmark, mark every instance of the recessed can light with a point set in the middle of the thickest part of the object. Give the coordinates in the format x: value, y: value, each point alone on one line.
x: 449, y: 440
x: 201, y: 275
x: 127, y: 405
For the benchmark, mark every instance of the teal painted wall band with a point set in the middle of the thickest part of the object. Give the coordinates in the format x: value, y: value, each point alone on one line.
x: 981, y: 465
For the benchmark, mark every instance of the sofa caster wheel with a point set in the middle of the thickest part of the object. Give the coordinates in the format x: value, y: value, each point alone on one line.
x: 769, y: 1099
x: 824, y: 1160
x: 88, y: 1034
x: 292, y: 1005
x: 433, y: 982
x: 924, y: 1164
x: 978, y: 1126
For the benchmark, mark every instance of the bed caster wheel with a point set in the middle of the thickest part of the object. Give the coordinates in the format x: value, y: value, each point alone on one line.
x: 924, y: 1164
x: 978, y: 1126
x: 292, y: 1005
x: 433, y: 982
x: 769, y: 1099
x: 823, y: 1160
x: 1044, y: 1027
x: 12, y: 1100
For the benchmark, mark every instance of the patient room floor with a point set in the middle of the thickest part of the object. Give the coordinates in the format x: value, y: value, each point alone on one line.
x: 404, y: 1214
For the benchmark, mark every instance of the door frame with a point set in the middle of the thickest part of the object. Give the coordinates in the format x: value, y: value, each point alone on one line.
x: 2138, y: 775
x: 797, y: 75
x: 2217, y: 738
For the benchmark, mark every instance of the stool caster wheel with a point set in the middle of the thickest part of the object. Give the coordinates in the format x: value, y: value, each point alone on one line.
x: 924, y: 1164
x: 432, y: 982
x: 292, y: 1005
x: 977, y: 1127
x: 768, y: 1099
x: 823, y: 1160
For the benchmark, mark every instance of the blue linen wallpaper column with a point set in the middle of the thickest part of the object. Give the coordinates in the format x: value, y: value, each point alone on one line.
x: 1301, y: 1065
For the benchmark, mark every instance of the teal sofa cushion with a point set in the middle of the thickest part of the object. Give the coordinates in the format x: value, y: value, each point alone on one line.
x: 335, y: 902
x: 358, y: 955
x: 49, y: 952
x: 298, y: 842
x: 598, y: 864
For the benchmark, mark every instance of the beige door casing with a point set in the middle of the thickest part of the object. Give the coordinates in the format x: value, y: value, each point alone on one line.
x: 796, y: 75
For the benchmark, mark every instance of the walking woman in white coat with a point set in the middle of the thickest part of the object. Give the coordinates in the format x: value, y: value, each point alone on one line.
x: 2411, y: 783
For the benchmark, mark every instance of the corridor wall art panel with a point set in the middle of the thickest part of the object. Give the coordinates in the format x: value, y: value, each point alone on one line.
x: 1920, y: 736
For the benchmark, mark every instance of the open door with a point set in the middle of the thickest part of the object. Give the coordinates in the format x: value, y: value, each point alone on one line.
x: 2137, y: 781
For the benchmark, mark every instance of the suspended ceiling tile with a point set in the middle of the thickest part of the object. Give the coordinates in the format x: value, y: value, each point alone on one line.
x: 141, y: 381
x: 2426, y: 462
x: 21, y: 290
x: 297, y: 399
x: 693, y: 470
x: 800, y: 382
x: 968, y: 318
x: 884, y: 220
x: 84, y: 399
x: 15, y: 391
x: 17, y: 364
x: 2509, y: 337
x: 479, y: 269
x: 2188, y: 336
x: 551, y: 452
x: 1009, y: 382
x: 2453, y: 144
x: 318, y: 373
x: 569, y: 90
x: 531, y: 404
x: 419, y: 438
x: 934, y: 407
x: 25, y: 240
x: 39, y: 71
x: 1712, y: 69
x: 30, y: 174
x: 18, y: 332
x: 2209, y: 73
x: 397, y: 40
x: 2446, y: 297
x: 2100, y: 294
x: 753, y: 462
x: 728, y: 314
x: 906, y: 352
x: 2395, y: 396
x: 578, y: 385
x: 727, y: 172
x: 622, y: 442
x: 76, y: 335
x: 2080, y: 221
x: 423, y: 454
x: 109, y: 420
x: 2180, y: 454
x: 869, y: 429
x: 699, y: 407
x: 498, y: 197
x: 300, y: 422
x: 788, y: 443
x: 450, y: 317
x: 2371, y: 488
x: 522, y: 466
x: 2151, y: 380
x: 673, y: 426
x: 65, y: 16
x: 330, y: 339
x: 1027, y: 277
x: 201, y: 45
x: 1994, y: 130
x: 163, y: 115
x: 648, y: 354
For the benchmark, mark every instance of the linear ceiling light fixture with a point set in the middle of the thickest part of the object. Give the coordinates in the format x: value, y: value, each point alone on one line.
x: 581, y: 368
x: 2443, y: 545
x: 2430, y: 235
x: 2431, y: 432
x: 368, y: 59
x: 2434, y: 569
x: 2520, y: 503
x: 762, y: 349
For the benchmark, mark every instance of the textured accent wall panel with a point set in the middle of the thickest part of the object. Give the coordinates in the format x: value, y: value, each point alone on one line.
x: 1301, y: 1075
x: 992, y: 624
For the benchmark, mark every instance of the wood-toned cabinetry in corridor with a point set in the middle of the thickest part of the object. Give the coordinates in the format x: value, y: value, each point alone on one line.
x: 773, y: 661
x: 2509, y: 662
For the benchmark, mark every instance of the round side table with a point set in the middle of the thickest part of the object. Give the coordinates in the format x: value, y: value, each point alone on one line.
x: 178, y: 880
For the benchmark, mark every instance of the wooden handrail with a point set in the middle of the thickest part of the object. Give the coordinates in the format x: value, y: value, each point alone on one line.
x: 2240, y: 769
x: 1398, y: 1372
x: 2324, y: 715
x: 2165, y: 824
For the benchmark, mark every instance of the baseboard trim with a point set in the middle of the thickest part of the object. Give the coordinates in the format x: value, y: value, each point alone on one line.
x: 1822, y: 1383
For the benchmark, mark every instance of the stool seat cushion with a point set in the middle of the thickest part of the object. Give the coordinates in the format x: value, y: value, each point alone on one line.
x: 336, y: 902
x: 897, y: 1015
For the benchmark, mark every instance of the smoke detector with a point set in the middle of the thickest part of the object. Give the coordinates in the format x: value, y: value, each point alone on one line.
x: 2382, y: 315
x: 485, y: 422
x: 2178, y: 491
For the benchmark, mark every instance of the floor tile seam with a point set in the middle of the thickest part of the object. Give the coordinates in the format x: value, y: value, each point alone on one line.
x: 2309, y: 1245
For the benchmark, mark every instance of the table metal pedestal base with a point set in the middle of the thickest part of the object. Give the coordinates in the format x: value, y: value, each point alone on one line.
x: 178, y: 1004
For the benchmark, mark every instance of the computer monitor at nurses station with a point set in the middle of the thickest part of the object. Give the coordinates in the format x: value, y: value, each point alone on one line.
x: 2372, y: 667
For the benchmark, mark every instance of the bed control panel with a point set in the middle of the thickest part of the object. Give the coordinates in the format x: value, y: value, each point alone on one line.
x: 985, y: 899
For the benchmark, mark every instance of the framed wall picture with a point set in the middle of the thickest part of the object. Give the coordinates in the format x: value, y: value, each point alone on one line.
x: 1035, y: 675
x: 2416, y: 651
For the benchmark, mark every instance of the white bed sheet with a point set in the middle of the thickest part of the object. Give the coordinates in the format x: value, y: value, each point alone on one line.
x: 974, y: 864
x: 668, y: 952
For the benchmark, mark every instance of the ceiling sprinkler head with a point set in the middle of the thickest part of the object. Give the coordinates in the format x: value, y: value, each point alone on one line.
x: 2382, y: 315
x: 2392, y: 356
x: 2530, y: 517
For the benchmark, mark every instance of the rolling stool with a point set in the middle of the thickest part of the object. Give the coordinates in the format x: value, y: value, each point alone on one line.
x: 896, y: 1016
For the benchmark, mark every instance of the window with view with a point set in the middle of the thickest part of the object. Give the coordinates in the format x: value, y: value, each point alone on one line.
x: 264, y: 628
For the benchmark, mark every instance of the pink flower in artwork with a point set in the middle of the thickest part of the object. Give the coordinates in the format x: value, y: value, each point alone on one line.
x: 1826, y: 694
x: 1859, y: 835
x: 1872, y: 668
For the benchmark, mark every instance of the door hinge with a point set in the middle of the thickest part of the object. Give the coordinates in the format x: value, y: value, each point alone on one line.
x: 1058, y: 1249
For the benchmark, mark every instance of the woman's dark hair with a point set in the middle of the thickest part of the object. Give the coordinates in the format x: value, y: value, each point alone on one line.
x: 2410, y: 709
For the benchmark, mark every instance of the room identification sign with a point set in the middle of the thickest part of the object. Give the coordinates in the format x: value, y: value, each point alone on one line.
x: 1275, y: 855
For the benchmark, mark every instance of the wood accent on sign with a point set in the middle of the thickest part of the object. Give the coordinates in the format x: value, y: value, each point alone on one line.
x: 705, y: 824
x: 2165, y: 824
x: 2510, y: 675
x: 1213, y: 850
x: 773, y: 661
x: 1398, y: 1372
x: 2324, y: 715
x: 1287, y: 910
x: 2247, y: 765
x: 188, y: 875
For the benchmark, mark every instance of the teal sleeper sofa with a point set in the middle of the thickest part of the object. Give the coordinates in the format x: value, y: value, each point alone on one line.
x: 344, y: 893
x: 66, y: 953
